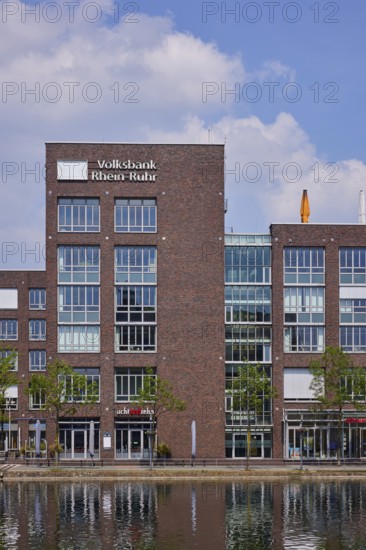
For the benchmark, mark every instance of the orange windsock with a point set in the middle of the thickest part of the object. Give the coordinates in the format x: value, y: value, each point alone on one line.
x: 305, y: 207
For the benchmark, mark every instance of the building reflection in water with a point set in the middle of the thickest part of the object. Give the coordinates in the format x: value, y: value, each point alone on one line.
x: 183, y: 516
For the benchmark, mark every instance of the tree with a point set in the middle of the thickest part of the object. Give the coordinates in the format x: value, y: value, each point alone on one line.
x: 158, y: 395
x: 250, y: 388
x: 8, y: 378
x: 337, y: 383
x: 61, y: 391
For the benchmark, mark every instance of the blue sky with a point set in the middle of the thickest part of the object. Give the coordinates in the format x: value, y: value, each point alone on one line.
x: 162, y: 72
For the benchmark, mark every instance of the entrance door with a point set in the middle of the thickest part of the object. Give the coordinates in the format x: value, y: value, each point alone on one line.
x: 240, y: 445
x: 79, y: 444
x: 135, y: 444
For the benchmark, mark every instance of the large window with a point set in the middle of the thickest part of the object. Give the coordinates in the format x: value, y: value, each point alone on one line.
x: 353, y: 311
x: 307, y: 339
x: 352, y: 266
x: 136, y: 338
x: 78, y: 339
x: 304, y: 305
x: 37, y: 329
x: 136, y: 304
x: 353, y: 338
x: 304, y: 265
x: 37, y: 298
x: 247, y: 304
x: 78, y: 215
x: 37, y: 400
x: 135, y: 264
x: 237, y: 416
x: 8, y: 329
x: 37, y: 360
x: 7, y: 353
x: 78, y: 264
x: 247, y: 264
x: 248, y: 343
x: 135, y: 215
x: 78, y: 304
x: 128, y: 382
x: 83, y: 389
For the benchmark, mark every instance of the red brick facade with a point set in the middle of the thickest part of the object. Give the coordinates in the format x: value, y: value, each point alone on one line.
x: 189, y: 191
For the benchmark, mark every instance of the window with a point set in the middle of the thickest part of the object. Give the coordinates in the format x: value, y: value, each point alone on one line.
x: 135, y: 264
x: 37, y: 400
x: 69, y: 170
x: 37, y: 360
x: 297, y: 384
x: 352, y: 266
x: 128, y: 382
x: 78, y: 215
x: 247, y: 264
x: 304, y: 265
x: 248, y: 343
x: 78, y: 304
x: 135, y: 215
x: 37, y: 298
x: 304, y: 305
x: 140, y: 338
x: 11, y: 397
x: 8, y: 329
x: 248, y: 304
x: 89, y: 388
x: 354, y: 388
x: 8, y: 298
x: 37, y: 329
x: 305, y: 339
x: 81, y: 338
x: 136, y: 304
x: 353, y: 311
x: 353, y: 338
x: 78, y: 264
x: 236, y: 416
x: 7, y: 353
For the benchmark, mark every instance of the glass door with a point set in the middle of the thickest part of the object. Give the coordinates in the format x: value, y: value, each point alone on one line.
x: 79, y: 444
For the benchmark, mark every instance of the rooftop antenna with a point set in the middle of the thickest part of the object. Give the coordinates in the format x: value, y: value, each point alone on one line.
x: 305, y: 207
x: 361, y: 208
x: 209, y: 135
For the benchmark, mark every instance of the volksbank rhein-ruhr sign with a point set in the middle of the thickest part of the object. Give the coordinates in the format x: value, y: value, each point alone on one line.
x: 128, y: 170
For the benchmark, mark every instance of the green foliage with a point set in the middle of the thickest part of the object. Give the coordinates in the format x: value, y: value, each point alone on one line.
x: 163, y: 450
x: 8, y: 378
x: 158, y: 394
x: 249, y: 389
x: 337, y: 383
x: 63, y: 391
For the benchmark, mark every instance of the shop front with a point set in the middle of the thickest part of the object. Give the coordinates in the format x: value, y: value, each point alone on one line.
x: 76, y: 439
x: 314, y: 435
x: 236, y: 443
x: 132, y: 433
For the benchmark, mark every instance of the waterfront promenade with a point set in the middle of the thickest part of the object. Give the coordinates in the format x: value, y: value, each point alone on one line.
x: 126, y: 472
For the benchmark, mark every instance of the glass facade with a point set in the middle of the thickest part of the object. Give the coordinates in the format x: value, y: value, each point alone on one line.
x: 248, y: 338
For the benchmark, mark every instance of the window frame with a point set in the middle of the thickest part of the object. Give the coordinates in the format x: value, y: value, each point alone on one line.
x: 129, y: 211
x: 75, y: 211
x: 40, y: 302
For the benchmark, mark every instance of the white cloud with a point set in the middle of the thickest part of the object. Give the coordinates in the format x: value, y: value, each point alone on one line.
x: 168, y: 68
